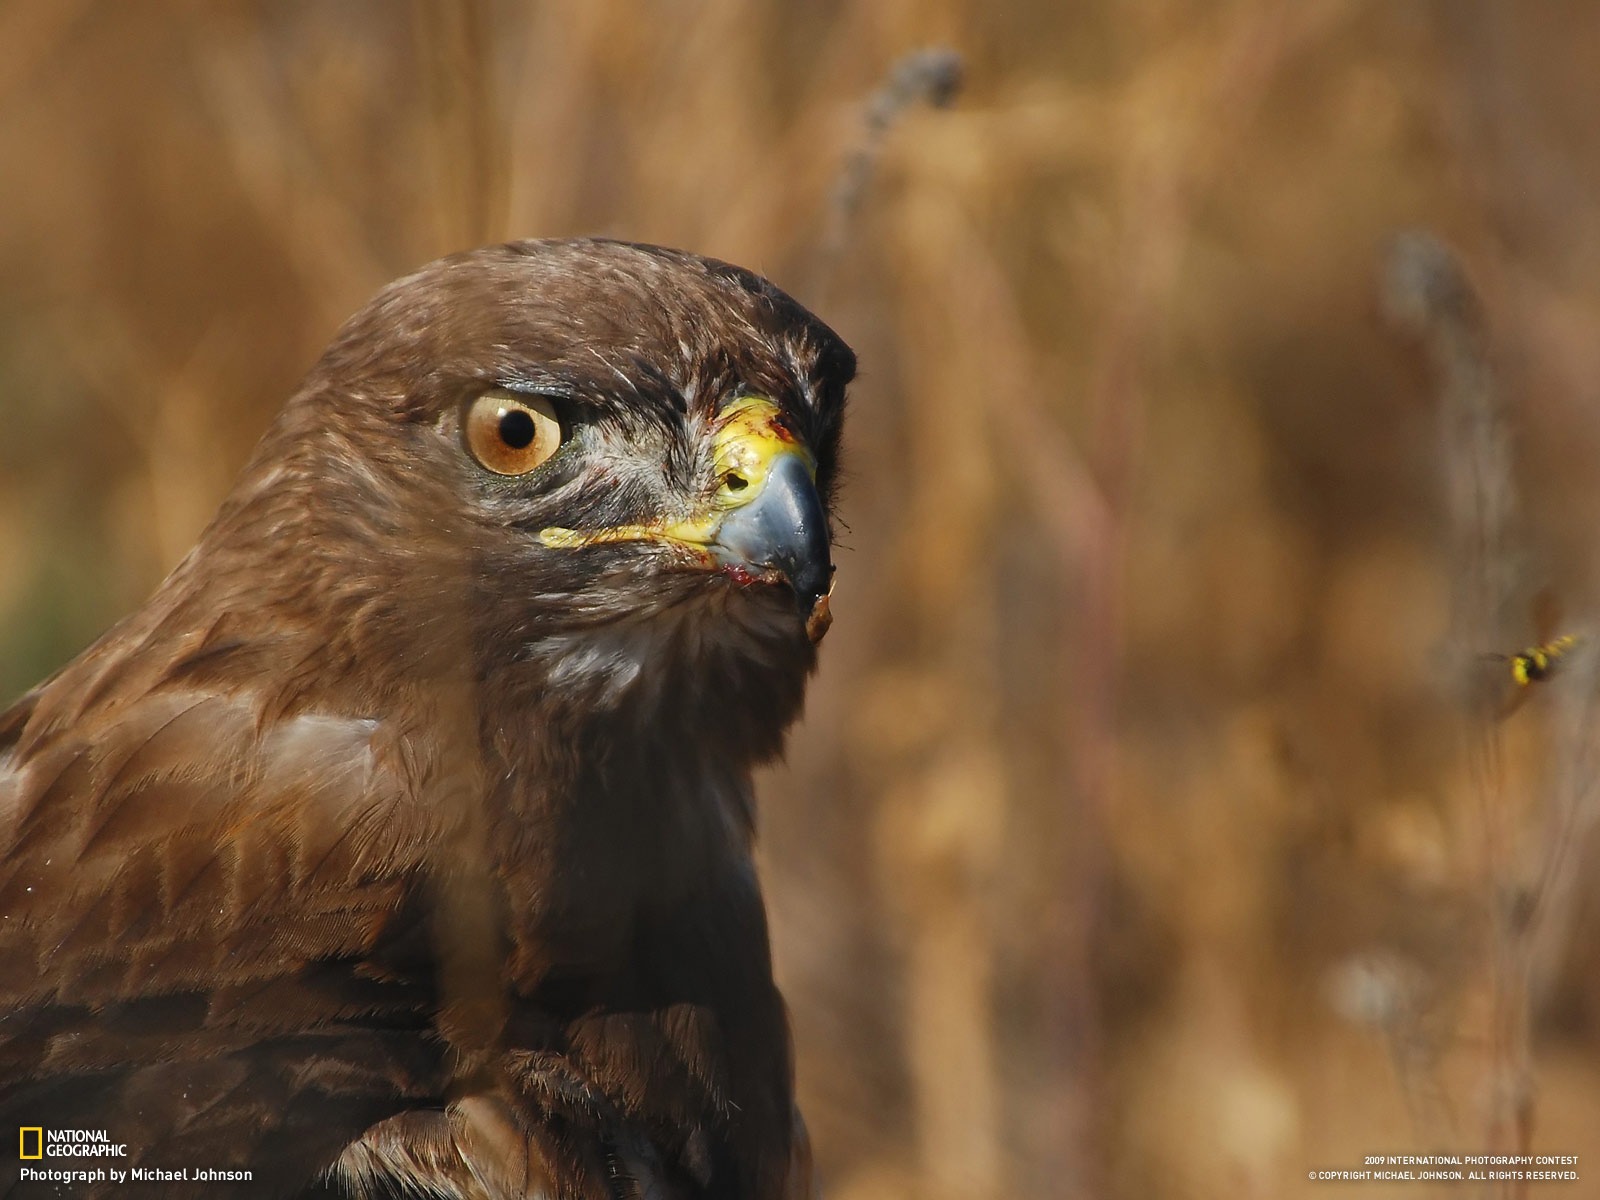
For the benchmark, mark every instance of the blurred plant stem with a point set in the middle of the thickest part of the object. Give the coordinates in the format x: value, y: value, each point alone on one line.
x: 1427, y: 294
x: 470, y: 151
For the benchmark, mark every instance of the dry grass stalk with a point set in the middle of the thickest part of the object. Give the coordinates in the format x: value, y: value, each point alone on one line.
x: 932, y: 76
x: 468, y: 133
x: 1427, y: 294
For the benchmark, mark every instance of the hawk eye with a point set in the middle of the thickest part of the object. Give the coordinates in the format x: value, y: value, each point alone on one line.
x: 511, y: 434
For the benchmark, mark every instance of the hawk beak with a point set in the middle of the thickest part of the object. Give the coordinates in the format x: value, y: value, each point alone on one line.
x: 781, y: 530
x: 764, y: 524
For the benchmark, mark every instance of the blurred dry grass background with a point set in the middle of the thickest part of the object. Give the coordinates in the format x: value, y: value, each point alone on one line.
x: 1139, y: 841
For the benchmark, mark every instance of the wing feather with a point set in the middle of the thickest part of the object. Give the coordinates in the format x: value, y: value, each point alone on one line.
x: 209, y: 930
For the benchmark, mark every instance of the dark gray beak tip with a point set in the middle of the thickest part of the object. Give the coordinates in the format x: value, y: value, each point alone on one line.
x: 783, y: 530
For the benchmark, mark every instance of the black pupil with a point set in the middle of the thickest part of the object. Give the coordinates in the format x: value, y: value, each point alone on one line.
x: 517, y: 428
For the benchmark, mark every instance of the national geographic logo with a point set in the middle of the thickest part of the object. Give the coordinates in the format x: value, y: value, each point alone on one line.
x: 38, y: 1143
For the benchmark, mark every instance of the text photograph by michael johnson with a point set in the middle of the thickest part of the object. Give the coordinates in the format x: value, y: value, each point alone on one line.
x: 89, y: 1156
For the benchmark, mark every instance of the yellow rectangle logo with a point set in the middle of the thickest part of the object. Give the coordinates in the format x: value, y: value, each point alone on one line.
x: 38, y: 1141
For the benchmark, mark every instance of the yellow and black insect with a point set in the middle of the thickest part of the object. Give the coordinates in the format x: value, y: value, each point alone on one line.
x: 1537, y: 663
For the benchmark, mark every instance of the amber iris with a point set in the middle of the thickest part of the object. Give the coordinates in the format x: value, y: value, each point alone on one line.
x: 511, y: 434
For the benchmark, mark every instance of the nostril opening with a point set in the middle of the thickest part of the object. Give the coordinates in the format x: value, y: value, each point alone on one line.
x: 735, y: 482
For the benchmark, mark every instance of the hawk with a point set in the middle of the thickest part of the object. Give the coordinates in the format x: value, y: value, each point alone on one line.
x: 401, y: 844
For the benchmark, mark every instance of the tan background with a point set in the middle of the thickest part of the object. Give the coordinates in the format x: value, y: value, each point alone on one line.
x: 1137, y: 842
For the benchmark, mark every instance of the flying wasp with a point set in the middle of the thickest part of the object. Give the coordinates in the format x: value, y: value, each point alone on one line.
x: 1538, y: 662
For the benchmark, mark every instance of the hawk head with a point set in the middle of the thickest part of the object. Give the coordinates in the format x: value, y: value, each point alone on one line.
x: 590, y: 472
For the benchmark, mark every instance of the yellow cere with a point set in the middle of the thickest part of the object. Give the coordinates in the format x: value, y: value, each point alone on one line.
x: 750, y: 437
